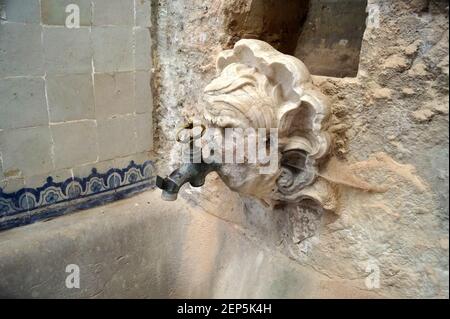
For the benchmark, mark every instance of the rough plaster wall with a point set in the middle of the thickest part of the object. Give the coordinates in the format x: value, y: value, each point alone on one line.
x: 398, y: 107
x: 391, y: 126
x: 72, y: 99
x: 187, y: 39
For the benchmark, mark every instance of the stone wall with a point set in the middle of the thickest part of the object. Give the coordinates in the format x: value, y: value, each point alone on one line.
x: 72, y: 99
x: 390, y: 124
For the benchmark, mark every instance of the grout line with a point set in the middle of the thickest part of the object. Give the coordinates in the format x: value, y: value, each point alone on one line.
x: 135, y: 131
x: 1, y: 166
x: 52, y: 140
x: 57, y: 26
x: 3, y: 17
x: 30, y: 77
x: 97, y: 143
x: 135, y: 13
x: 44, y: 125
x: 73, y: 122
x: 55, y: 74
x: 72, y: 73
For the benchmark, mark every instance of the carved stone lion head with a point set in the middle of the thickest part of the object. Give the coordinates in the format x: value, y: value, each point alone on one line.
x: 261, y: 88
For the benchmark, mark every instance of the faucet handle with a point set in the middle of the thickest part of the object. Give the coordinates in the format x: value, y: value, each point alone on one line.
x: 193, y: 134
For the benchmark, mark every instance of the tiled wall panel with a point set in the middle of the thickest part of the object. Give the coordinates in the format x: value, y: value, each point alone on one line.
x: 75, y: 105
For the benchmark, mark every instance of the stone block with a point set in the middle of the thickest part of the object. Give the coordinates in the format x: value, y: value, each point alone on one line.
x: 67, y: 50
x: 138, y: 158
x: 58, y: 176
x: 23, y: 11
x: 144, y: 132
x: 114, y: 94
x: 143, y: 13
x: 75, y: 143
x: 113, y: 49
x: 103, y: 167
x: 85, y: 170
x: 117, y: 137
x: 22, y: 103
x: 11, y: 185
x: 70, y: 97
x: 143, y: 92
x: 54, y: 11
x: 26, y: 151
x: 143, y: 51
x: 2, y: 176
x: 113, y: 12
x: 21, y: 50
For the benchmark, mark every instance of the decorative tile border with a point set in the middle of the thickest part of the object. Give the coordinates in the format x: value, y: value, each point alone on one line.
x: 29, y: 205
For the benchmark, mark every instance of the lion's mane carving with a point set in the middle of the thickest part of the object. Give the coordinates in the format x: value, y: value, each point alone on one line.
x: 259, y: 87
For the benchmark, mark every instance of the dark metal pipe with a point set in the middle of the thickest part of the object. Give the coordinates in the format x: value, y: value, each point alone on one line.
x: 190, y: 172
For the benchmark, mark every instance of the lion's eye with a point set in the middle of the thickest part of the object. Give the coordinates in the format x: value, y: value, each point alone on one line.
x: 295, y: 159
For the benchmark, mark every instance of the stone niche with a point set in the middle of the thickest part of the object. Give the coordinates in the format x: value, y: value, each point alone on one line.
x: 325, y: 34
